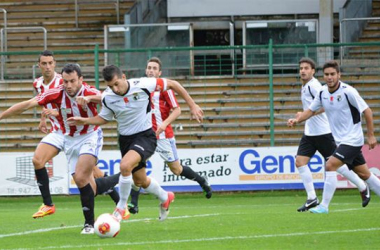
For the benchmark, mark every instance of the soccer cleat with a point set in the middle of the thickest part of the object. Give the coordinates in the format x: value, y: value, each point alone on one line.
x: 126, y: 215
x: 119, y: 214
x: 319, y: 210
x: 207, y: 188
x: 133, y: 209
x: 309, y: 204
x: 164, y: 207
x: 88, y: 229
x: 366, y: 196
x: 44, y: 210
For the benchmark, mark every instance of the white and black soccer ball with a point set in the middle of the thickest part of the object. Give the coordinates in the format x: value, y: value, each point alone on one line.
x: 106, y: 226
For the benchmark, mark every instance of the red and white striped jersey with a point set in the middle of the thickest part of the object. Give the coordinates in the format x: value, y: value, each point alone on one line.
x: 41, y: 87
x: 162, y: 104
x: 68, y: 107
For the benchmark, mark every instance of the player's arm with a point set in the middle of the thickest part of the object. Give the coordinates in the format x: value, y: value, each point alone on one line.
x: 84, y: 100
x: 300, y: 117
x: 43, y: 125
x: 19, y: 108
x: 196, y: 111
x: 76, y: 120
x: 370, y: 128
x: 176, y: 112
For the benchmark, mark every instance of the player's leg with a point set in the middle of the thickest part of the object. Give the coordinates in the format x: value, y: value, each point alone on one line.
x: 133, y: 206
x: 103, y: 181
x: 151, y: 186
x: 306, y: 149
x: 85, y: 181
x: 168, y: 151
x: 362, y: 170
x: 326, y: 146
x: 129, y: 161
x: 45, y: 151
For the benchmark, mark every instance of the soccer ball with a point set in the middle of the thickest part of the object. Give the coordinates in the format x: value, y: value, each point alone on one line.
x: 106, y: 226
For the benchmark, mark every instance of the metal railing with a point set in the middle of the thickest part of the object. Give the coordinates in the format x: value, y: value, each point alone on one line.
x: 3, y: 44
x: 76, y: 8
x: 5, y: 27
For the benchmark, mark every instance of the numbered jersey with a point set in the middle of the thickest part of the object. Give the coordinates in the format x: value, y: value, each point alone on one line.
x: 162, y: 104
x: 132, y: 110
x: 68, y: 107
x: 40, y: 87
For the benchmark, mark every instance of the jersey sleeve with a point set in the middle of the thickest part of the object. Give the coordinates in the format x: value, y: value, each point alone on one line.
x: 50, y: 96
x: 153, y: 84
x: 356, y: 100
x: 170, y: 98
x: 316, y: 104
x: 106, y: 112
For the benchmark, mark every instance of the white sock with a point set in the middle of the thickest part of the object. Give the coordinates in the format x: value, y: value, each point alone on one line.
x: 307, y: 180
x: 157, y: 190
x: 329, y: 188
x: 374, y: 184
x: 134, y: 187
x: 125, y: 186
x: 353, y: 177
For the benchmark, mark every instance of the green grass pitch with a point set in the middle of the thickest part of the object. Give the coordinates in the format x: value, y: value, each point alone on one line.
x: 247, y: 220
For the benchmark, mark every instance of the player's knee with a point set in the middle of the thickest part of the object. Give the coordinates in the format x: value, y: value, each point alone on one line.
x: 363, y: 174
x: 38, y: 162
x: 300, y: 163
x: 125, y: 169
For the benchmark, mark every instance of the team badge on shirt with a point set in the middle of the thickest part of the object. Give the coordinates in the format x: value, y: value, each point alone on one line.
x: 136, y: 96
x: 339, y: 98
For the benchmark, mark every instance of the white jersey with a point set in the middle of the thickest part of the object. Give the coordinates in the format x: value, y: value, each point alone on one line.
x: 132, y: 110
x: 316, y: 125
x: 343, y: 108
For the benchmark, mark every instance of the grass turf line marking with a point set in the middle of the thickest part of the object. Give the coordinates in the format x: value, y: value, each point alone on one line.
x: 128, y: 221
x: 209, y: 239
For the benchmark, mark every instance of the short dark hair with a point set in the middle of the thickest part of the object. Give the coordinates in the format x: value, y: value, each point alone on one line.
x: 110, y: 71
x: 332, y: 64
x: 46, y: 53
x: 156, y: 60
x: 307, y: 60
x: 72, y: 67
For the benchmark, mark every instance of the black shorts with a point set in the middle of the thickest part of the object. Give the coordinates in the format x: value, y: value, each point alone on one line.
x: 350, y: 155
x: 144, y: 143
x: 324, y: 144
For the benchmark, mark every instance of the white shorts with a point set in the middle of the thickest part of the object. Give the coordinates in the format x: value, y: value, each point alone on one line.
x: 91, y: 144
x: 55, y: 139
x: 167, y: 149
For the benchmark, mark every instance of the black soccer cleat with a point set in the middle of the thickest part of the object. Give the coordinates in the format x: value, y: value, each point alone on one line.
x: 207, y: 189
x: 132, y: 208
x: 366, y: 196
x: 309, y: 204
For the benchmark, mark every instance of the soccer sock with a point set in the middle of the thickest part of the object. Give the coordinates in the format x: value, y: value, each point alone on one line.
x: 353, y: 177
x: 125, y: 186
x: 307, y: 180
x: 103, y: 184
x: 191, y: 175
x: 157, y: 190
x: 374, y: 184
x: 43, y: 184
x: 135, y: 192
x: 87, y: 200
x: 329, y: 188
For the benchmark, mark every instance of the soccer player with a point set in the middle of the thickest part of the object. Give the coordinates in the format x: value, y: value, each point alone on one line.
x: 129, y: 101
x: 81, y: 144
x: 317, y: 136
x: 165, y: 110
x: 343, y: 106
x: 46, y: 149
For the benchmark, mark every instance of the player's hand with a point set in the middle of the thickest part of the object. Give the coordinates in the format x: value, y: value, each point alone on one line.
x: 43, y: 126
x: 161, y: 129
x: 372, y: 142
x: 82, y: 100
x: 292, y: 122
x: 197, y: 113
x: 50, y: 112
x: 74, y: 121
